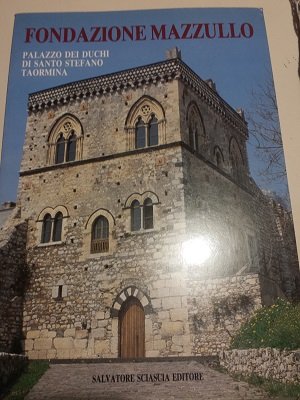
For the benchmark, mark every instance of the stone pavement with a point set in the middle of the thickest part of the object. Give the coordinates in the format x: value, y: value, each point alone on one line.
x: 184, y: 380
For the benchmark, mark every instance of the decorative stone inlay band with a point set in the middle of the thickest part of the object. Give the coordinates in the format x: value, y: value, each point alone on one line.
x: 131, y: 291
x: 149, y: 74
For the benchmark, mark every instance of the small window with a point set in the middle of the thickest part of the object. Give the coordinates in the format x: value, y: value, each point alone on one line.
x: 57, y: 227
x: 135, y: 216
x: 100, y: 236
x: 148, y: 214
x: 59, y: 292
x: 46, y: 229
x: 60, y: 150
x: 71, y: 148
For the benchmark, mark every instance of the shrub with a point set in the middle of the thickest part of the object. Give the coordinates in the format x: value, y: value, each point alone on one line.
x: 277, y: 326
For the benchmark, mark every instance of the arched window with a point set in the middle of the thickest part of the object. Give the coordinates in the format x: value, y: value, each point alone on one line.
x: 140, y: 134
x: 135, y: 216
x: 100, y: 235
x: 57, y: 227
x: 145, y: 124
x: 153, y: 131
x: 46, y: 229
x: 71, y: 148
x: 50, y: 224
x: 218, y: 155
x: 65, y: 140
x: 60, y: 150
x: 148, y: 214
x: 146, y: 132
x: 195, y: 126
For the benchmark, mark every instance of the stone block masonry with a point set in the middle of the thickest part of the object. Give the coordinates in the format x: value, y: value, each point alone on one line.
x: 217, y: 308
x: 118, y: 173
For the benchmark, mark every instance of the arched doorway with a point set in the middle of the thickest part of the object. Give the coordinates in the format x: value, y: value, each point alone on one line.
x: 132, y: 329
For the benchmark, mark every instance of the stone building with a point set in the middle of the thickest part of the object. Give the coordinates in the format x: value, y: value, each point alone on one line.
x: 147, y: 235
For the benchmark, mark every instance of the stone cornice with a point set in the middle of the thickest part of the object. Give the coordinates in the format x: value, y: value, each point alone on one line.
x: 135, y: 77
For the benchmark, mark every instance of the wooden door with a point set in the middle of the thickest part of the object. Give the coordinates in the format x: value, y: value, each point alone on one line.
x: 132, y: 329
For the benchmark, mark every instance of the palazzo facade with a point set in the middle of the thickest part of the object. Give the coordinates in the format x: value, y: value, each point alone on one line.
x: 122, y: 176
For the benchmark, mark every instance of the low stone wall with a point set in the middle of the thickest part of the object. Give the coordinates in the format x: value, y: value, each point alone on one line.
x: 10, y: 366
x: 280, y: 365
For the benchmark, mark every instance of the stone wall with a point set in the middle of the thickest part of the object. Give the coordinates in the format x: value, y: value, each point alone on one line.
x: 80, y: 324
x: 217, y: 308
x: 239, y: 224
x: 12, y: 278
x: 280, y: 365
x: 186, y: 311
x: 103, y: 120
x: 10, y: 366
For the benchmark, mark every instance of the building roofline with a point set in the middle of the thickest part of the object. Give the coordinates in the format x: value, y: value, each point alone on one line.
x: 162, y: 71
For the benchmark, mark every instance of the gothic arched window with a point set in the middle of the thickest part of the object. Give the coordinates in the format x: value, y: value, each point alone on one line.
x: 145, y: 124
x: 146, y: 133
x: 57, y: 227
x: 100, y: 235
x: 65, y: 141
x: 196, y: 132
x: 46, y: 229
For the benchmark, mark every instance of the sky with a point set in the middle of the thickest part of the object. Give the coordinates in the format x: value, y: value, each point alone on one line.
x: 238, y: 66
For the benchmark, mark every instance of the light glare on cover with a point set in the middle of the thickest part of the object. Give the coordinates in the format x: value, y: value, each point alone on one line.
x: 196, y: 251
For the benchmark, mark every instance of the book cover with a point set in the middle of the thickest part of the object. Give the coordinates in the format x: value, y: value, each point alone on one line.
x: 152, y: 204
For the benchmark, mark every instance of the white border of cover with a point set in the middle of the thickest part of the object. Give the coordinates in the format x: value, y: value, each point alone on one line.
x: 282, y: 43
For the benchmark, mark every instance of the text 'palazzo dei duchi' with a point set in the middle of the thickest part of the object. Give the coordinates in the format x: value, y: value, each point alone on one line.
x: 120, y: 173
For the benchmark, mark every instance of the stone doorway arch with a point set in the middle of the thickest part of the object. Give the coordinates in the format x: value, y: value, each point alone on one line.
x: 129, y: 311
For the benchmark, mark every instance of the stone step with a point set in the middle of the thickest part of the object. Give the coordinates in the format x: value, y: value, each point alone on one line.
x: 154, y: 380
x: 212, y: 361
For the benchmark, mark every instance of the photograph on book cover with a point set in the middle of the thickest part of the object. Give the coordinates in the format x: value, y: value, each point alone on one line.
x: 144, y: 183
